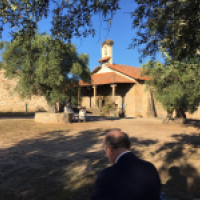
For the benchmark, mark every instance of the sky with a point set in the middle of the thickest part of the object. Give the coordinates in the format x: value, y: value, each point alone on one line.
x: 120, y: 32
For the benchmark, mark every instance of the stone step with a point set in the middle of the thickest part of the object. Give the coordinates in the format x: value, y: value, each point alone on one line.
x: 94, y: 111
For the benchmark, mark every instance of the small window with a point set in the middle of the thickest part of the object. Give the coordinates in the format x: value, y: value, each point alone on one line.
x: 105, y: 51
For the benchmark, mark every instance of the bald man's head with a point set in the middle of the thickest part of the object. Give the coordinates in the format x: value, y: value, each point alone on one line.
x: 115, y: 142
x: 117, y: 139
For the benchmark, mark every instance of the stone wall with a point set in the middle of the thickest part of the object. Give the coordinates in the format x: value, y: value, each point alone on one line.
x: 53, y: 118
x: 139, y: 99
x: 145, y: 101
x: 159, y: 111
x: 195, y: 115
x: 10, y: 102
x: 129, y: 101
x: 85, y: 102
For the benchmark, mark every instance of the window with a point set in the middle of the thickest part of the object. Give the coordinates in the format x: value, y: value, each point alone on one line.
x: 105, y: 51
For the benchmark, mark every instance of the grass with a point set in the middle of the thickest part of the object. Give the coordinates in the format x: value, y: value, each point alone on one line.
x: 17, y: 129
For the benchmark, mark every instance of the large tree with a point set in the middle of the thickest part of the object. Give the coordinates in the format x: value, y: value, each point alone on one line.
x: 44, y: 66
x: 70, y: 17
x: 170, y: 25
x: 175, y: 86
x: 167, y: 25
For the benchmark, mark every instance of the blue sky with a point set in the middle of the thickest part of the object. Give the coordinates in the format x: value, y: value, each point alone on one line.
x: 120, y: 32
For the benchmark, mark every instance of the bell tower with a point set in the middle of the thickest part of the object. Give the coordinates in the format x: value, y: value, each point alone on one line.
x: 106, y: 50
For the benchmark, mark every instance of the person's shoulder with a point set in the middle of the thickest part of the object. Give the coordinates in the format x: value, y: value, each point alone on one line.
x: 148, y: 165
x: 107, y: 172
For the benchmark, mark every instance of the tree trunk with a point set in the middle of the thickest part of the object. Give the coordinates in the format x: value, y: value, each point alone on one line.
x: 180, y: 117
x: 169, y: 118
x: 52, y: 108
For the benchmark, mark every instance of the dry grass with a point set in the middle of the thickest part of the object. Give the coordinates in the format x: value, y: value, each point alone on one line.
x: 16, y: 130
x: 62, y: 161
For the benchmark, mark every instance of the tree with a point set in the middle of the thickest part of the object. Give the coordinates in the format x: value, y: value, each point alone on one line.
x: 168, y: 25
x: 69, y: 16
x: 176, y: 88
x: 44, y: 66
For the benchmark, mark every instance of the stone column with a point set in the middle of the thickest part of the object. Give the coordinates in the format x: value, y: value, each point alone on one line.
x: 113, y: 90
x: 95, y: 93
x: 57, y: 106
x: 79, y: 92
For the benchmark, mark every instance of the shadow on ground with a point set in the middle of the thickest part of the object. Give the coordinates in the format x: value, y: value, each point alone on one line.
x: 192, y: 123
x: 55, y: 166
x: 58, y: 166
x: 178, y: 168
x: 102, y: 118
x: 89, y: 116
x: 17, y: 115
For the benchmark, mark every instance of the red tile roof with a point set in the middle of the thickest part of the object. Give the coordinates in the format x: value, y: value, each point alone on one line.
x: 104, y: 58
x: 96, y: 69
x: 133, y: 72
x: 107, y: 78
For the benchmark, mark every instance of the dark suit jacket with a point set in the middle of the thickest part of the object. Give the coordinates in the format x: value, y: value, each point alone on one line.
x: 129, y: 179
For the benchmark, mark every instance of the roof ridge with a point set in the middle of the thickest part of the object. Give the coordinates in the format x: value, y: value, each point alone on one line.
x: 102, y: 73
x: 124, y: 65
x: 133, y: 72
x: 108, y: 78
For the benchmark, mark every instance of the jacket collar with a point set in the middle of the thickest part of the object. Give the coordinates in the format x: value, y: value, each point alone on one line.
x: 124, y: 155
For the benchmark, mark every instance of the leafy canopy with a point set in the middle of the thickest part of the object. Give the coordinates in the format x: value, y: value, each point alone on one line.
x: 163, y: 25
x: 176, y: 88
x: 70, y: 17
x: 167, y: 25
x: 44, y: 66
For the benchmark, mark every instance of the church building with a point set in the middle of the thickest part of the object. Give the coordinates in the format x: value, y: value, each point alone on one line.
x: 122, y: 82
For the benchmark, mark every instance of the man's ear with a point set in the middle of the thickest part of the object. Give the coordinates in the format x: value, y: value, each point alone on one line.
x: 111, y: 149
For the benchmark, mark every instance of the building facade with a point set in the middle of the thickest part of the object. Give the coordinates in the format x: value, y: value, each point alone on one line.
x: 126, y: 87
x: 123, y: 83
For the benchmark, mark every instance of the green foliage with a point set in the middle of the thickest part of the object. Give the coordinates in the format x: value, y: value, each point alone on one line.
x: 175, y: 87
x: 108, y: 107
x: 47, y: 67
x: 166, y: 25
x: 171, y: 26
x: 69, y: 18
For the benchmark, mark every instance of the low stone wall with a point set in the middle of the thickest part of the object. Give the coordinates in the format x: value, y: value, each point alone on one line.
x: 53, y: 118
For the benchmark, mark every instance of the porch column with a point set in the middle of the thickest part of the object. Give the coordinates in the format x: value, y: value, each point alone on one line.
x: 57, y: 107
x: 79, y: 92
x: 113, y: 90
x: 95, y: 93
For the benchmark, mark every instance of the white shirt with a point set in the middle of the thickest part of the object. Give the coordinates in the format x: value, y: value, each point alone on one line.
x: 121, y: 155
x: 82, y: 113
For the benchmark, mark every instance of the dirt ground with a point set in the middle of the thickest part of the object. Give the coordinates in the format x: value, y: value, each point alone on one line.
x: 56, y: 162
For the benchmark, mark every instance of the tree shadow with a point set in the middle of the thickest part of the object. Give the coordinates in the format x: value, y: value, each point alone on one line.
x: 17, y: 114
x: 55, y: 166
x: 179, y: 171
x: 91, y: 118
x: 192, y: 123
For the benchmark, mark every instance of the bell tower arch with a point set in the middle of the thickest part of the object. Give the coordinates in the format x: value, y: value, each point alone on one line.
x: 106, y: 49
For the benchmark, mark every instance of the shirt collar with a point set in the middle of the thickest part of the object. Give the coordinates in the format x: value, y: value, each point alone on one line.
x: 121, y: 155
